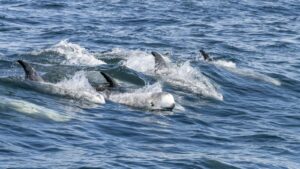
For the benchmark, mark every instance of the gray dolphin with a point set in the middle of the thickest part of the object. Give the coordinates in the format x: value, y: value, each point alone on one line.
x: 148, y: 100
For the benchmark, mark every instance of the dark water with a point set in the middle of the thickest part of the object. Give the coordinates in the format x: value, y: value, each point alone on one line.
x: 256, y: 70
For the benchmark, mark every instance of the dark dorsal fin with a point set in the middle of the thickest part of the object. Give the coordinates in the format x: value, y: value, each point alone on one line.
x: 109, y: 79
x: 159, y: 61
x: 205, y: 55
x: 30, y: 73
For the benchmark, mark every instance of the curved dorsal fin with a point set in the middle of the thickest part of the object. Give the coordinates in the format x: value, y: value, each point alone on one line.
x: 159, y: 60
x: 109, y: 79
x: 205, y: 55
x: 30, y: 73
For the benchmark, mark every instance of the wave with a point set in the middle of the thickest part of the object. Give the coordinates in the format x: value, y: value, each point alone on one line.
x: 32, y: 109
x: 180, y: 75
x: 72, y: 54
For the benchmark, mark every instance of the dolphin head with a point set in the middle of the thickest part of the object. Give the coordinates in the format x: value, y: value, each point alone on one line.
x: 161, y: 101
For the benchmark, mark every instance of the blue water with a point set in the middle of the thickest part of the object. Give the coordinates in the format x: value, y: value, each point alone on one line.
x: 256, y: 48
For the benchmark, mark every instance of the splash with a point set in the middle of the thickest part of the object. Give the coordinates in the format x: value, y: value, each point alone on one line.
x: 78, y: 87
x: 136, y: 95
x: 156, y: 87
x: 72, y: 54
x: 224, y: 63
x: 189, y: 78
x: 135, y: 59
x: 32, y: 109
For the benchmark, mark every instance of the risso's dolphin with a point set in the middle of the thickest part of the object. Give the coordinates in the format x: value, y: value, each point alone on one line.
x: 146, y: 100
x: 33, y: 80
x: 184, y: 76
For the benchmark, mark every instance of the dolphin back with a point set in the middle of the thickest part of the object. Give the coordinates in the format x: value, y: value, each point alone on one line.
x: 160, y: 63
x: 30, y: 72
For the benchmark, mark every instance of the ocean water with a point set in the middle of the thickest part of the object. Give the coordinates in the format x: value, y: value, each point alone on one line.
x: 242, y: 110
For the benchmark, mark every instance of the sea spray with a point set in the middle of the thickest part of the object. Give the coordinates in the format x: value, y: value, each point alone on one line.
x: 73, y: 54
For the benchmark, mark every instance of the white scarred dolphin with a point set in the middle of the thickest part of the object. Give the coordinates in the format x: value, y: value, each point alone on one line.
x: 146, y: 100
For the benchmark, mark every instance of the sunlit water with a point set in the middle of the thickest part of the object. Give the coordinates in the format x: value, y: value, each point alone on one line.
x: 239, y: 111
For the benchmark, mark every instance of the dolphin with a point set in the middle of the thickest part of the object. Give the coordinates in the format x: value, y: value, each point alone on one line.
x: 33, y: 80
x: 148, y: 100
x: 184, y: 76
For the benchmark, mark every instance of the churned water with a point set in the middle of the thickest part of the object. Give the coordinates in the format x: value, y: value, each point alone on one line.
x: 241, y: 110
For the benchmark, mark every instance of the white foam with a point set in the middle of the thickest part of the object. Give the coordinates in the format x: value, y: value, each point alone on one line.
x: 73, y: 54
x: 135, y: 59
x: 156, y: 87
x: 189, y: 78
x: 32, y: 109
x: 224, y: 63
x: 136, y: 95
x: 78, y: 87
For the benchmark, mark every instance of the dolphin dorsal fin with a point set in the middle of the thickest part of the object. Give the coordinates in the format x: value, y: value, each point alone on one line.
x: 30, y: 72
x: 109, y: 79
x: 160, y: 63
x: 205, y: 55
